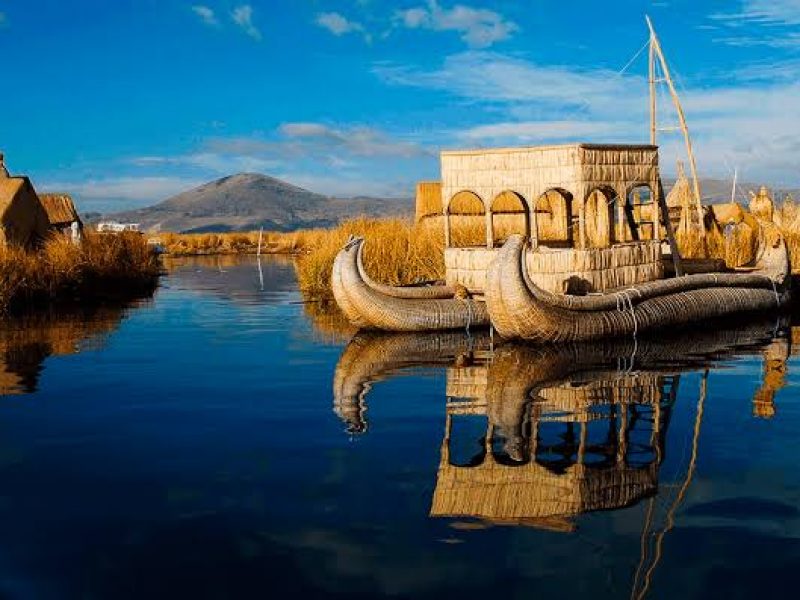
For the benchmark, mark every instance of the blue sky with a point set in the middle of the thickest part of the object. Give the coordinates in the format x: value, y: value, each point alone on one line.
x: 126, y: 102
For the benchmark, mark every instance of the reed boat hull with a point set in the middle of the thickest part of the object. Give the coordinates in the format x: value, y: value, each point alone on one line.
x: 370, y: 305
x: 520, y: 310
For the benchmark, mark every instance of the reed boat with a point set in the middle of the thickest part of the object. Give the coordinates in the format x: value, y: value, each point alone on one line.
x: 579, y: 242
x: 521, y: 309
x: 372, y: 305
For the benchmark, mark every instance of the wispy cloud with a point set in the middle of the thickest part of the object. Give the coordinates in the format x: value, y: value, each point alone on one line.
x: 357, y: 140
x: 243, y: 17
x: 536, y: 132
x: 211, y: 161
x: 747, y: 122
x: 491, y: 77
x: 762, y: 12
x: 768, y: 23
x: 340, y: 25
x: 206, y: 15
x: 126, y: 189
x: 479, y: 27
x: 345, y: 159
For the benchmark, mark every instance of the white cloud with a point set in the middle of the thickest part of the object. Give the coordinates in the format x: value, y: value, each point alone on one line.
x: 530, y: 132
x: 211, y: 162
x: 768, y: 23
x: 349, y: 186
x: 479, y: 27
x: 243, y: 17
x: 127, y: 189
x: 206, y: 14
x: 490, y: 77
x: 748, y: 123
x: 318, y: 138
x: 340, y: 25
x: 763, y: 12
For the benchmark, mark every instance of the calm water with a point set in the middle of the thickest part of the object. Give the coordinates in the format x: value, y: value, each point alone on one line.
x: 225, y: 441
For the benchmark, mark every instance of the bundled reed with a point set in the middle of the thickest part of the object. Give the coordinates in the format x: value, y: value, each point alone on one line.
x: 428, y: 200
x: 102, y: 266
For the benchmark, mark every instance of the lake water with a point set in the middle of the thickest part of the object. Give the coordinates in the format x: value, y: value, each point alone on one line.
x: 224, y: 440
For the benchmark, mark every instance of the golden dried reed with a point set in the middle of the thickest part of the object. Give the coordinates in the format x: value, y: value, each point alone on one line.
x: 103, y: 265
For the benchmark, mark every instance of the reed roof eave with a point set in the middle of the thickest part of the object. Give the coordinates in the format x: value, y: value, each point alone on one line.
x: 569, y: 146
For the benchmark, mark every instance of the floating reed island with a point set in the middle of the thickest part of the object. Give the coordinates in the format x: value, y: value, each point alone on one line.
x: 47, y: 256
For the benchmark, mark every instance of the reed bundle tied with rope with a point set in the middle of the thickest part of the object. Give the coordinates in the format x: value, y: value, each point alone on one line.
x: 370, y: 305
x: 521, y: 309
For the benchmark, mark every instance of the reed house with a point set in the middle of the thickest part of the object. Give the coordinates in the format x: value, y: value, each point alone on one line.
x: 591, y: 211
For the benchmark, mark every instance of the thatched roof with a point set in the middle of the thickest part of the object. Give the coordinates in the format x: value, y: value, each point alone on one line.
x: 529, y: 492
x: 22, y: 216
x: 60, y: 209
x: 532, y: 171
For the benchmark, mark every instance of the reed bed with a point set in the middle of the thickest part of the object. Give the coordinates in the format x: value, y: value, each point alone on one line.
x: 103, y: 266
x: 272, y: 242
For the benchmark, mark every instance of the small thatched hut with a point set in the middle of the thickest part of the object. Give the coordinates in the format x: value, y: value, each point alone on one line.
x: 61, y: 213
x: 23, y: 220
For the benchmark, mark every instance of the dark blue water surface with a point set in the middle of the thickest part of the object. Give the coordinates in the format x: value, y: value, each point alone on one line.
x: 224, y: 440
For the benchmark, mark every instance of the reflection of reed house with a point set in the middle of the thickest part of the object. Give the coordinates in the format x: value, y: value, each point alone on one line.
x: 26, y: 218
x: 573, y: 447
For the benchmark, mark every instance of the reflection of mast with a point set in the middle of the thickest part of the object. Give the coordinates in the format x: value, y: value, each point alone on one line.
x: 675, y: 504
x: 657, y: 60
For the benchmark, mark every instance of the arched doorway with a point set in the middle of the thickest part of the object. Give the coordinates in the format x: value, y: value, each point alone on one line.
x: 510, y: 214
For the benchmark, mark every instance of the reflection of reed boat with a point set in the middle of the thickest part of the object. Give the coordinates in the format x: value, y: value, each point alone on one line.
x: 372, y: 357
x: 571, y: 428
x: 371, y: 305
x: 600, y: 238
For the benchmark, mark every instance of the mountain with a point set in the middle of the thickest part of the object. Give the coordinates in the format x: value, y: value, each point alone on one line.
x: 248, y: 201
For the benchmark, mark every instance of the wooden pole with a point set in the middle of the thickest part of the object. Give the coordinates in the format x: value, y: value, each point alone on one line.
x: 653, y: 98
x: 260, y: 239
x: 663, y: 211
x: 656, y: 45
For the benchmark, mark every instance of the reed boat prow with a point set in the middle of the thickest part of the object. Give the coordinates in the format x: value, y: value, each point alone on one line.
x: 520, y: 309
x: 371, y: 305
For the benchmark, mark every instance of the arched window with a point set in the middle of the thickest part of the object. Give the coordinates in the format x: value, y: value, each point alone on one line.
x: 600, y: 214
x: 465, y: 220
x: 641, y: 214
x: 554, y: 218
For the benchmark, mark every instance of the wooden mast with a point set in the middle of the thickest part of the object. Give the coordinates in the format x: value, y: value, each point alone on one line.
x: 657, y: 52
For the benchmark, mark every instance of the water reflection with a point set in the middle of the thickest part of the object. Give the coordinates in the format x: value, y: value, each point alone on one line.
x: 242, y: 279
x: 537, y: 436
x: 28, y: 340
x: 373, y: 357
x: 566, y: 429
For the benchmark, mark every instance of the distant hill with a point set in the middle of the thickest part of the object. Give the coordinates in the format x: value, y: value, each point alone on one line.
x: 248, y: 201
